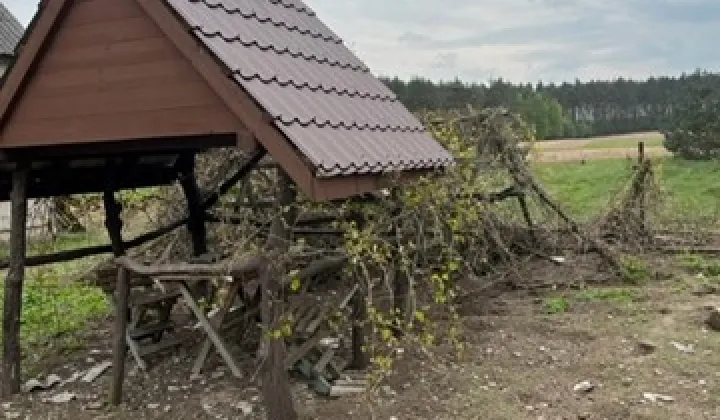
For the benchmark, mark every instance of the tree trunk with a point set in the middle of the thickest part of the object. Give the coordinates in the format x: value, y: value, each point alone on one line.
x: 11, y: 364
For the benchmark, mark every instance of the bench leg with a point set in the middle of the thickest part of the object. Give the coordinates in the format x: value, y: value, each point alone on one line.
x: 210, y: 330
x: 207, y: 344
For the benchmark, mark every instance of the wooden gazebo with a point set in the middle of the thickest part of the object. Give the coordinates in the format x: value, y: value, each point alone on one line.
x: 113, y: 94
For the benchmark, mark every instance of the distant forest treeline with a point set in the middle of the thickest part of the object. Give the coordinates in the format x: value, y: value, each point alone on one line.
x: 579, y: 109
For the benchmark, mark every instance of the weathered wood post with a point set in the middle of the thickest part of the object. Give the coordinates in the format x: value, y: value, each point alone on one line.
x: 122, y: 292
x: 641, y: 193
x: 276, y: 390
x: 196, y: 219
x: 114, y: 225
x: 402, y: 287
x: 11, y: 364
x: 360, y: 325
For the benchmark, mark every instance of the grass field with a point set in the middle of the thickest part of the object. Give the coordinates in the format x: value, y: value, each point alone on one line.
x: 610, y: 147
x: 690, y: 191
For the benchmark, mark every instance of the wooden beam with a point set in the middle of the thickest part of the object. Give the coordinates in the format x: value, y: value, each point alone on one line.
x: 360, y: 319
x: 113, y: 209
x: 360, y: 327
x: 210, y: 201
x: 122, y: 292
x: 237, y: 268
x: 276, y: 391
x: 11, y: 365
x: 196, y: 216
x: 114, y: 224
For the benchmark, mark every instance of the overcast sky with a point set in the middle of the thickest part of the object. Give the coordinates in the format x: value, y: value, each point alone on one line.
x: 519, y: 40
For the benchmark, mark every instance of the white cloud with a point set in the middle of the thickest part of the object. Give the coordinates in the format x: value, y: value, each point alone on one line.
x: 519, y: 40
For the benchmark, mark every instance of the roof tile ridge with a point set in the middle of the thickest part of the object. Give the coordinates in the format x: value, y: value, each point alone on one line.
x: 281, y: 51
x: 291, y: 5
x: 218, y: 4
x: 350, y: 93
x: 385, y: 128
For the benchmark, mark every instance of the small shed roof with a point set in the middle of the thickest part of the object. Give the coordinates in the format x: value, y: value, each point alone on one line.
x: 319, y: 94
x: 11, y: 30
x: 288, y: 79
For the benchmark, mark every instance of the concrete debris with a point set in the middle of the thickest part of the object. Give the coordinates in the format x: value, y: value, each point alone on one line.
x: 61, y: 398
x: 73, y: 378
x: 657, y: 397
x: 95, y: 405
x: 36, y: 385
x: 245, y: 407
x: 682, y: 347
x: 96, y: 371
x: 585, y: 386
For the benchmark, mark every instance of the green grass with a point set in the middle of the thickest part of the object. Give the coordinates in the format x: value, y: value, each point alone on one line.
x: 64, y: 241
x: 690, y: 190
x: 621, y: 142
x: 556, y: 305
x: 700, y: 264
x: 55, y: 304
x: 584, y: 189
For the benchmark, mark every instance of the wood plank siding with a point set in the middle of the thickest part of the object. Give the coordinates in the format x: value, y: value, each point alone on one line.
x: 111, y: 74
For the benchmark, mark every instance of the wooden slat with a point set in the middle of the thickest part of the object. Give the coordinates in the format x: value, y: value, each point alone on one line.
x: 118, y: 100
x: 109, y: 55
x: 165, y: 344
x: 164, y: 122
x: 58, y: 82
x: 104, y: 33
x: 91, y: 11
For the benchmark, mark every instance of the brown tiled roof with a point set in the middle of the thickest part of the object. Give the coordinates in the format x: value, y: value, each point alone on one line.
x: 319, y: 94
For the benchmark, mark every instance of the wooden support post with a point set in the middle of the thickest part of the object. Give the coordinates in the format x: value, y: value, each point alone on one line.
x: 401, y: 296
x: 276, y: 390
x: 401, y: 279
x: 114, y: 225
x: 122, y: 293
x: 641, y: 152
x: 360, y: 324
x: 11, y: 367
x: 196, y: 214
x: 360, y: 356
x: 196, y: 218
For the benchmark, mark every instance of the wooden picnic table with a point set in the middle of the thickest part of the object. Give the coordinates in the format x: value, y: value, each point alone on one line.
x: 242, y: 279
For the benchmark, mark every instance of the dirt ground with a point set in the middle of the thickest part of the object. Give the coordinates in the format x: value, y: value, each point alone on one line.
x: 521, y: 361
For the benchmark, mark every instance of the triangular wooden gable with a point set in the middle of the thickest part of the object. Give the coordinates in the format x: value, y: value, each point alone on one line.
x: 108, y: 73
x: 129, y: 71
